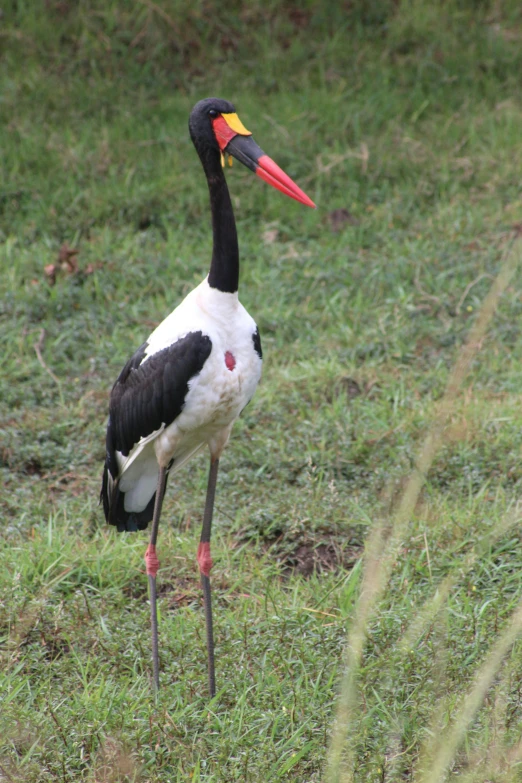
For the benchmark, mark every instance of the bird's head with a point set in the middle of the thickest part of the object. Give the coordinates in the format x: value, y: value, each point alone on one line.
x: 215, y: 128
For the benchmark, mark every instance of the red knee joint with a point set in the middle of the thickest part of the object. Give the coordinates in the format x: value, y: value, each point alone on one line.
x: 204, y: 558
x: 151, y: 560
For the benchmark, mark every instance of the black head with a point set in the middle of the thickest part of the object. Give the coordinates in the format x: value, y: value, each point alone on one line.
x: 200, y: 122
x: 216, y: 131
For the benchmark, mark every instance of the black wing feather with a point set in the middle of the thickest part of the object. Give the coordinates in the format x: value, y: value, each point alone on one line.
x: 149, y: 392
x: 256, y: 339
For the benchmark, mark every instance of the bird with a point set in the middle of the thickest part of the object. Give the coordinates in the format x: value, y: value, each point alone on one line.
x: 186, y: 385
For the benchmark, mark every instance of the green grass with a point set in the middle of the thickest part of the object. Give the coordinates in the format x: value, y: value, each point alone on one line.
x: 406, y: 116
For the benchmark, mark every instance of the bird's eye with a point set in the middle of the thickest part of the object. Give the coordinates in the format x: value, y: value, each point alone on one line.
x: 213, y: 113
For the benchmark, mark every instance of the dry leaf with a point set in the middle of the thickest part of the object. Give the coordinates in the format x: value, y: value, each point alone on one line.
x: 67, y: 259
x: 50, y: 273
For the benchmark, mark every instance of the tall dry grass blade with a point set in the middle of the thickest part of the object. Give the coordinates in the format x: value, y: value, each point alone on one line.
x: 441, y: 756
x: 381, y: 549
x: 432, y: 606
x: 499, y: 761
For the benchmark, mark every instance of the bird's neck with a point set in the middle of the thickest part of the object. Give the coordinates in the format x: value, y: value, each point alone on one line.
x: 224, y: 267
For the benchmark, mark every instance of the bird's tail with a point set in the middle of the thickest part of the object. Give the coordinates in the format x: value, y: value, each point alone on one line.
x: 113, y: 499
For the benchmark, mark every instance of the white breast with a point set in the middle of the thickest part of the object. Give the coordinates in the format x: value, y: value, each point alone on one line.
x: 218, y: 394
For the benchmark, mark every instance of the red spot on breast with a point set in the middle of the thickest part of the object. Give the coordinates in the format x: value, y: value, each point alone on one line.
x: 230, y: 361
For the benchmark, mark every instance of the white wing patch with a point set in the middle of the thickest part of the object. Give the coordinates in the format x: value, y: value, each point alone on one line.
x: 124, y: 463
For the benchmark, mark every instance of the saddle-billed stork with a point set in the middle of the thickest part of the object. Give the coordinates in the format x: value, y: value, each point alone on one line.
x: 187, y: 384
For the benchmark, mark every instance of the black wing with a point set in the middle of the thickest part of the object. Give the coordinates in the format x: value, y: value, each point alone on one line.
x: 150, y: 391
x: 256, y: 339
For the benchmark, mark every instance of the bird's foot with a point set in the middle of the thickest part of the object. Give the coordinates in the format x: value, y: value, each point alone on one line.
x: 151, y: 560
x: 204, y: 558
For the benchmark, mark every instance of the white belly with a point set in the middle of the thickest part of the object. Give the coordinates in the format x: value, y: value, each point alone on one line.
x: 214, y: 401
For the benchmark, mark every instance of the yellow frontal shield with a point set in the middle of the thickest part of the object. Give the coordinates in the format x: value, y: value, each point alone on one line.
x: 235, y: 124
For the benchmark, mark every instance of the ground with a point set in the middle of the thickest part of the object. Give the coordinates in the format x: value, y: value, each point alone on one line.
x: 403, y: 124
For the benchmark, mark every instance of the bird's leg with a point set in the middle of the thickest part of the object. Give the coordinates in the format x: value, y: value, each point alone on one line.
x: 205, y: 564
x: 152, y: 563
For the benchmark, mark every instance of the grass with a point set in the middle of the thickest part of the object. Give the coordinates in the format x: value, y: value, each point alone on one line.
x: 402, y: 121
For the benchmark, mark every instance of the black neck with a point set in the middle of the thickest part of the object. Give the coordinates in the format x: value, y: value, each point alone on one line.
x: 224, y: 267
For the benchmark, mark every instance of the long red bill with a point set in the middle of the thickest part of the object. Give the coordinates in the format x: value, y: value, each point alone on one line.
x: 268, y: 170
x: 243, y: 147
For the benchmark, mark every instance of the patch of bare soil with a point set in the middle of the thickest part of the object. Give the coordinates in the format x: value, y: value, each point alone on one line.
x: 314, y: 557
x: 321, y: 554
